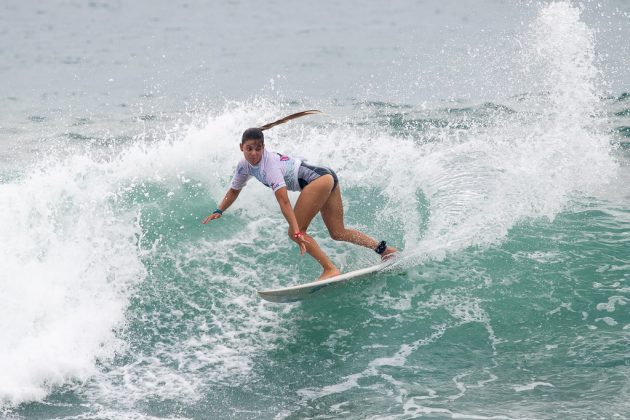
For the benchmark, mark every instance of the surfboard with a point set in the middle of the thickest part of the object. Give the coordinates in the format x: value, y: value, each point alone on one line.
x: 303, y: 291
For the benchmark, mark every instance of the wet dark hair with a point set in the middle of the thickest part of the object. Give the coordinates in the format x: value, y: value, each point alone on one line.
x: 256, y: 133
x: 253, y: 133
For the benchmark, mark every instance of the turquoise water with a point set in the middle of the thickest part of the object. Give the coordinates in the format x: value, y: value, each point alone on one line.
x: 490, y: 145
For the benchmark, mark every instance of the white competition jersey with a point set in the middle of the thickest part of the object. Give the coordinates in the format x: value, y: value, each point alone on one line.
x: 274, y: 170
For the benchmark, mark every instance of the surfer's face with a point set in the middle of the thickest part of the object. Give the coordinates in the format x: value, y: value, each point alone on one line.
x: 253, y: 151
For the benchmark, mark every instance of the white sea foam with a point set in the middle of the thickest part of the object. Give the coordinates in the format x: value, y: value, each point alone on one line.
x: 611, y: 304
x: 531, y: 386
x: 68, y: 264
x: 607, y: 320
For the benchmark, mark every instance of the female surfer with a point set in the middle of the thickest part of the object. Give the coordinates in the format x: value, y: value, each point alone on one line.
x: 320, y: 193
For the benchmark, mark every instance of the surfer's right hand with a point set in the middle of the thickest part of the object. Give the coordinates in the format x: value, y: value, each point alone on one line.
x: 211, y: 217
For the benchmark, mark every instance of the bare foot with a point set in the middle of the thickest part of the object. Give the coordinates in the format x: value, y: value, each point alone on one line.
x: 328, y: 273
x: 390, y: 252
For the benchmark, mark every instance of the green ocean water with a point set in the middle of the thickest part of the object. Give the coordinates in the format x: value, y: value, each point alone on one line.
x: 506, y: 190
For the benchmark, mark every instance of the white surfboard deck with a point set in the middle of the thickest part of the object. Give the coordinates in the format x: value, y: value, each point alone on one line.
x: 302, y: 291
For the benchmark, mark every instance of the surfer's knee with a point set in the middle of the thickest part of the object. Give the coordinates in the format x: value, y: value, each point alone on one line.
x: 338, y: 235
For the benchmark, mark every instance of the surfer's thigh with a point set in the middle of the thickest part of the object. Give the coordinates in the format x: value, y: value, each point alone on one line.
x: 311, y: 200
x: 332, y: 213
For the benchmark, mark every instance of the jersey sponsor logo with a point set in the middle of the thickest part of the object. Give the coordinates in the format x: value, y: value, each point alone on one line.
x: 284, y: 158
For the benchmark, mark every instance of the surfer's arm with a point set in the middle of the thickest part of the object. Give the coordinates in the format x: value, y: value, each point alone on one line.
x: 229, y: 198
x: 287, y: 209
x: 287, y: 212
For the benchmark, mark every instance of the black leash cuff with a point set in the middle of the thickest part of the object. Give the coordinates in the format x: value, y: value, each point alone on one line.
x: 381, y: 247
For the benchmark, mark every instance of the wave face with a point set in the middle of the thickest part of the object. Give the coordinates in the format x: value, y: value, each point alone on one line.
x: 509, y: 301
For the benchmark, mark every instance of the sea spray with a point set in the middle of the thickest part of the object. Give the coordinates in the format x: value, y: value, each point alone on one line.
x: 523, y: 165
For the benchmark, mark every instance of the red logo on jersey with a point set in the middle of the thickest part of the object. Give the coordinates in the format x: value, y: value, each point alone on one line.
x: 283, y: 158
